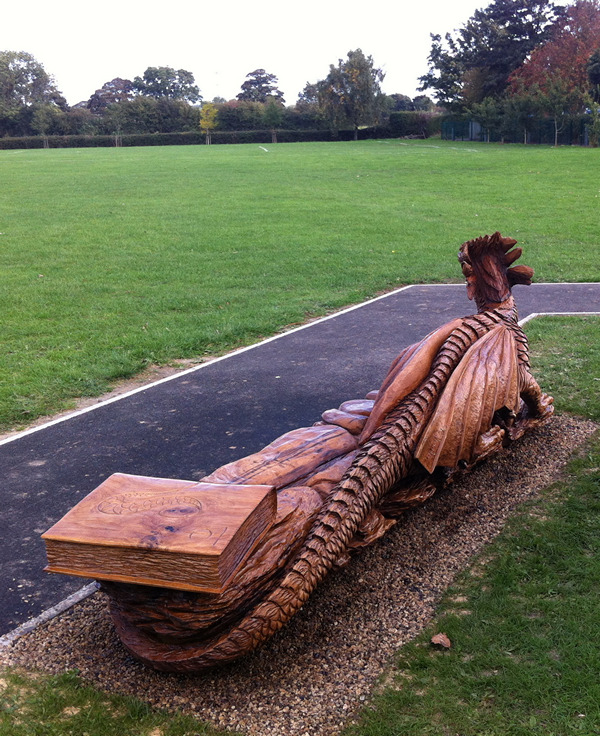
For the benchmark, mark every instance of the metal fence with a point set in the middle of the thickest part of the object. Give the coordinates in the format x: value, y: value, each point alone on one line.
x: 538, y: 130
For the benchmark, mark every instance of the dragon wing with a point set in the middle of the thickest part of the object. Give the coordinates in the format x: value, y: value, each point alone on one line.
x: 484, y: 381
x: 406, y: 372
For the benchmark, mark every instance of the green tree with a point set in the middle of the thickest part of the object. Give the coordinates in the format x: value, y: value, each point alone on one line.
x: 260, y: 86
x: 117, y: 90
x: 24, y: 83
x: 308, y: 101
x: 164, y: 82
x: 478, y: 60
x: 78, y: 120
x: 45, y: 119
x: 522, y: 108
x: 489, y: 114
x: 593, y: 73
x: 209, y: 119
x: 351, y: 92
x: 446, y: 71
x: 399, y: 103
x: 593, y: 125
x: 240, y: 115
x: 273, y: 115
x: 149, y: 115
x: 558, y: 101
x: 423, y: 102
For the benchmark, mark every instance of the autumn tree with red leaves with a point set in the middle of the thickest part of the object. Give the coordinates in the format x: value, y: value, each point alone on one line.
x: 566, y: 56
x: 476, y: 61
x: 558, y: 70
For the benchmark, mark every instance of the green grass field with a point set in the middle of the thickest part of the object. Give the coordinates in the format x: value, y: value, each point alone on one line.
x: 113, y: 259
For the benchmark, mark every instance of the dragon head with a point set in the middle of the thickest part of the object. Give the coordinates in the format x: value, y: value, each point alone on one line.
x: 485, y: 263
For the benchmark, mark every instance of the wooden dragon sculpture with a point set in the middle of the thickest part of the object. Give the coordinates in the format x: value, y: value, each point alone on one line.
x: 447, y: 402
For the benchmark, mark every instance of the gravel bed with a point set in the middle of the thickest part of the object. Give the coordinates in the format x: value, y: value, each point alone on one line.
x: 313, y: 677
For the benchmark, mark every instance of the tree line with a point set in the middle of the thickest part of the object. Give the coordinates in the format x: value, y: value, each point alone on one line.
x: 165, y: 100
x: 510, y: 64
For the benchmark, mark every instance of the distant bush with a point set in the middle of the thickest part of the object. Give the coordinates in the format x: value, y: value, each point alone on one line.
x: 163, y: 139
x: 29, y: 142
x: 58, y: 141
x: 238, y: 115
x: 104, y: 141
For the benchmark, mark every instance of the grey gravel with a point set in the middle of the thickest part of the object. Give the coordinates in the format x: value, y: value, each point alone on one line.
x: 313, y: 677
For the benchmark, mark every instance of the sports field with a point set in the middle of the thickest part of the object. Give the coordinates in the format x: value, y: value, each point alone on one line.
x: 113, y: 259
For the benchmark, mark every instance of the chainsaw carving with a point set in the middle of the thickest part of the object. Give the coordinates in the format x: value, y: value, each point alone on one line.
x: 448, y: 401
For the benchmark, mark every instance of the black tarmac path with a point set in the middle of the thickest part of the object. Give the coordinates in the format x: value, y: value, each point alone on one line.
x: 188, y: 425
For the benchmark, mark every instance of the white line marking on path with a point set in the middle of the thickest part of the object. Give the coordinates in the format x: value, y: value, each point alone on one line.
x: 532, y: 286
x: 195, y: 368
x: 138, y: 390
x: 48, y: 614
x: 531, y: 316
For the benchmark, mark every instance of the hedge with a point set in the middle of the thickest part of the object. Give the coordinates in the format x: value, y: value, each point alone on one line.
x: 396, y: 129
x: 416, y: 124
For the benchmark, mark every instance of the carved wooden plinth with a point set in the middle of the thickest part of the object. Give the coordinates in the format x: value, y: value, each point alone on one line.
x: 460, y: 394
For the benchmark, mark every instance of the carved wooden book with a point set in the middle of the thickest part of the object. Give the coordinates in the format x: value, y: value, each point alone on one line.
x: 161, y: 532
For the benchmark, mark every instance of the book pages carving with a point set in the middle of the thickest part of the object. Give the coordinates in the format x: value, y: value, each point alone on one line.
x: 460, y: 394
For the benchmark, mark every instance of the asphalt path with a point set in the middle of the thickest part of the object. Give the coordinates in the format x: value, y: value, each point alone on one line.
x: 187, y: 426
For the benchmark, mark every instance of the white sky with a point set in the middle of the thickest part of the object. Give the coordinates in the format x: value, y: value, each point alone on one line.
x: 83, y: 44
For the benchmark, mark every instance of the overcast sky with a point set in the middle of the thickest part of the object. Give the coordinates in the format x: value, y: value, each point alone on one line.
x: 83, y: 44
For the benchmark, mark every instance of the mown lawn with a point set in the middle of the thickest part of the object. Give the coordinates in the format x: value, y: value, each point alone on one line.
x: 113, y: 259
x: 525, y: 654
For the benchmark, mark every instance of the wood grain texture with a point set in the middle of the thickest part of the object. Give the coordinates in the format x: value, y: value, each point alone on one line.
x: 405, y: 374
x: 289, y: 457
x: 354, y: 423
x: 153, y: 532
x: 448, y: 401
x: 181, y: 616
x: 485, y: 381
